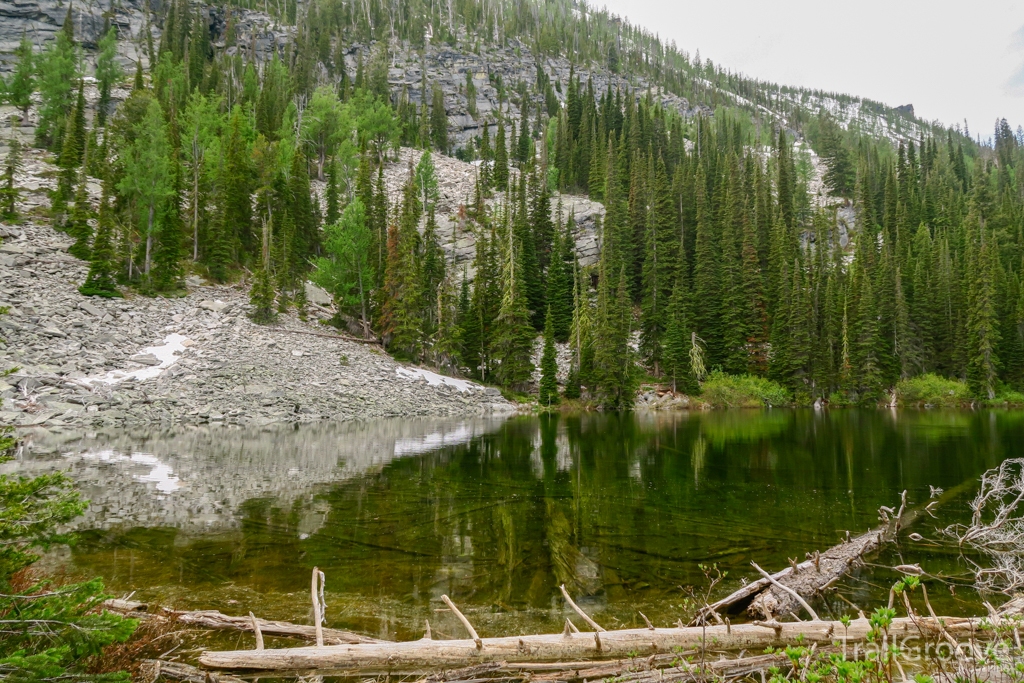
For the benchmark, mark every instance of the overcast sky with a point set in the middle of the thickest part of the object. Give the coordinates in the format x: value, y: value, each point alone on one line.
x: 952, y: 61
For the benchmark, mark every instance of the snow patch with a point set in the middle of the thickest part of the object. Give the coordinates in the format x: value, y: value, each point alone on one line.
x: 434, y: 379
x: 167, y: 353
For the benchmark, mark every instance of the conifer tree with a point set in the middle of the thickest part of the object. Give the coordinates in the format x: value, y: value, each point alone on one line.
x: 102, y: 280
x: 401, y: 312
x: 559, y: 294
x: 580, y: 340
x: 9, y: 191
x: 22, y: 83
x: 148, y: 173
x: 500, y: 172
x: 78, y: 223
x: 982, y: 322
x: 57, y: 74
x: 678, y: 333
x: 331, y: 198
x: 513, y: 333
x: 613, y: 358
x: 438, y: 121
x: 547, y: 394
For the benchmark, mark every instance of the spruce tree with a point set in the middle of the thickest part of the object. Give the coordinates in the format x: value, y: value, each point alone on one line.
x: 148, y: 173
x: 499, y: 174
x: 982, y: 322
x: 547, y: 394
x: 57, y: 74
x: 22, y: 83
x: 513, y: 333
x: 9, y: 191
x: 102, y: 278
x: 333, y: 211
x: 438, y: 121
x: 78, y: 223
x: 559, y: 294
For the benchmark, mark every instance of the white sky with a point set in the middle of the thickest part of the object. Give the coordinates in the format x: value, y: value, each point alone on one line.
x: 952, y: 61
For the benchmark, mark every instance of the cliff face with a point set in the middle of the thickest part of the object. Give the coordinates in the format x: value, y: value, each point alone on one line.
x: 41, y: 19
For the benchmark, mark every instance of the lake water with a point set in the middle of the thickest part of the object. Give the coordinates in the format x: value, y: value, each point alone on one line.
x: 498, y: 513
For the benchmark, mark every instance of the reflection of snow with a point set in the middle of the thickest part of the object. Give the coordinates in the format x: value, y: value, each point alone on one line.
x: 434, y: 440
x: 167, y: 354
x: 434, y: 379
x: 159, y: 472
x: 162, y: 475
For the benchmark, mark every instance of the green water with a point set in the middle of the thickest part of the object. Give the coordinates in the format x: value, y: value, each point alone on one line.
x: 622, y: 509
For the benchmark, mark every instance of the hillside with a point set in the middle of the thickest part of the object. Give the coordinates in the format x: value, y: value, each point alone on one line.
x: 465, y: 179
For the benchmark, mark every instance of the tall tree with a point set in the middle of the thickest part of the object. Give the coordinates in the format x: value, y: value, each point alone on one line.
x: 148, y: 173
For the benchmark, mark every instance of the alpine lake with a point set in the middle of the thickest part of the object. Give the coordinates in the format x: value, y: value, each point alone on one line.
x: 630, y: 512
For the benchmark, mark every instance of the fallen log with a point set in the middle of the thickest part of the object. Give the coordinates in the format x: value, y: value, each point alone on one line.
x: 178, y: 671
x: 671, y: 667
x: 440, y: 654
x: 212, y: 619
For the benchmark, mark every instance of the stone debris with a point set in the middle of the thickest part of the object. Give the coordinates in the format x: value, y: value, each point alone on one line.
x: 456, y: 182
x: 94, y: 362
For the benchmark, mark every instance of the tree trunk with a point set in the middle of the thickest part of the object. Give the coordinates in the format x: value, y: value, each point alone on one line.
x: 149, y: 240
x: 425, y: 653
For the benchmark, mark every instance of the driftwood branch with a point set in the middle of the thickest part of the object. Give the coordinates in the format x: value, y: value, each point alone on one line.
x: 576, y: 608
x: 464, y: 620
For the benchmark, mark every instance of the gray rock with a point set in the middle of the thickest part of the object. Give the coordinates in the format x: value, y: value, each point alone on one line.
x: 318, y: 295
x: 217, y: 306
x: 145, y: 359
x: 90, y: 309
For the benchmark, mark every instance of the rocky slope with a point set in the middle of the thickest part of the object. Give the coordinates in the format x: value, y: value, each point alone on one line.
x: 88, y: 362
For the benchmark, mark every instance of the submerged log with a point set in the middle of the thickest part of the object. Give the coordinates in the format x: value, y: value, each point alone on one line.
x: 762, y: 600
x: 439, y: 654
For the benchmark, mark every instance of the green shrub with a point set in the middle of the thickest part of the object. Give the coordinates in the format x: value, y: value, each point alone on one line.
x: 932, y: 390
x: 1007, y: 397
x: 742, y: 391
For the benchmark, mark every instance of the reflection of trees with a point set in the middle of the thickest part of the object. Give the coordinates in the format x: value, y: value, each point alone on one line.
x: 608, y: 505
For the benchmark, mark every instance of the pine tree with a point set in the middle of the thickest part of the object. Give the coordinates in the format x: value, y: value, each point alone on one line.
x: 500, y: 173
x: 513, y: 333
x: 331, y: 194
x: 101, y: 280
x: 678, y: 342
x: 9, y: 192
x: 438, y: 121
x: 78, y: 223
x: 401, y: 312
x: 261, y: 297
x: 548, y: 390
x: 580, y: 341
x: 613, y: 358
x: 22, y: 83
x: 559, y: 294
x: 148, y: 172
x: 168, y: 250
x: 982, y: 321
x: 57, y: 74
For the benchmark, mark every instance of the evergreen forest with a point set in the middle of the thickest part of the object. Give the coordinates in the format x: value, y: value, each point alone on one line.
x: 721, y: 254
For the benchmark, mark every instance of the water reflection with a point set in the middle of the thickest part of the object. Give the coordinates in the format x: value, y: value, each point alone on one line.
x: 498, y: 514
